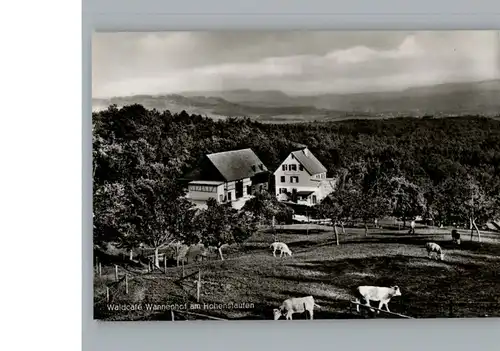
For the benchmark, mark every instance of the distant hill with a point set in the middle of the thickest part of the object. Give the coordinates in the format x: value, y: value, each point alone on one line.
x: 451, y: 99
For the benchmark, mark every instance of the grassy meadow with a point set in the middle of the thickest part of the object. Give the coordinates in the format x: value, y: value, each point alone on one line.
x: 465, y: 284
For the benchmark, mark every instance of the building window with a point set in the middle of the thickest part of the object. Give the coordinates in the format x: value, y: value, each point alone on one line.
x: 221, y: 198
x: 283, y: 167
x: 301, y: 168
x: 249, y: 189
x: 282, y: 179
x: 293, y: 167
x: 294, y: 179
x: 261, y: 166
x: 229, y: 196
x: 314, y: 199
x: 203, y: 188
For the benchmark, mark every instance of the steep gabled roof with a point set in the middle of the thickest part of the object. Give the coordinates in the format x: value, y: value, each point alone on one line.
x: 237, y: 164
x: 309, y: 161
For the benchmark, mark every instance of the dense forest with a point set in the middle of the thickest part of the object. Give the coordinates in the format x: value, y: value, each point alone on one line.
x: 447, y: 169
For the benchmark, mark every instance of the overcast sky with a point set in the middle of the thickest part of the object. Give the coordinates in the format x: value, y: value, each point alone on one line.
x: 294, y: 62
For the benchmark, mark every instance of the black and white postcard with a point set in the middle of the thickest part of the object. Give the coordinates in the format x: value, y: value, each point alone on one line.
x: 287, y: 175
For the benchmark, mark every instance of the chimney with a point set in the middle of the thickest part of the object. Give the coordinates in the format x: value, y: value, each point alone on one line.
x: 306, y: 152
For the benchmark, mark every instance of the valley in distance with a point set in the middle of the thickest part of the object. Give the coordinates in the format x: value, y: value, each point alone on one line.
x: 442, y: 100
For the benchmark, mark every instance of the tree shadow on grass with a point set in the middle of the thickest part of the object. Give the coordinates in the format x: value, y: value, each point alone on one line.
x: 418, y: 241
x: 265, y: 312
x: 478, y: 256
x: 423, y: 277
x: 295, y: 246
x: 298, y: 231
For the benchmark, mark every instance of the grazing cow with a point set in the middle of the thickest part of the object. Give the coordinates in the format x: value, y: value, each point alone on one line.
x: 376, y: 293
x: 192, y: 252
x: 295, y: 305
x: 282, y: 247
x: 455, y: 235
x: 434, y: 248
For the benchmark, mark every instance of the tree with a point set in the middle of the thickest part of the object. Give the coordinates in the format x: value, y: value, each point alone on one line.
x: 407, y: 199
x: 462, y: 198
x: 264, y: 206
x: 219, y: 225
x: 479, y: 206
x: 112, y: 216
x: 331, y: 208
x: 261, y: 207
x: 159, y: 214
x: 372, y: 206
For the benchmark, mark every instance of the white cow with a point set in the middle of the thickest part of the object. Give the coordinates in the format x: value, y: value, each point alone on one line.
x: 376, y: 293
x: 295, y: 305
x: 434, y: 248
x: 282, y: 247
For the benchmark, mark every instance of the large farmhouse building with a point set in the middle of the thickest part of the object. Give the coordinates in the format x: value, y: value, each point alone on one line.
x: 230, y: 176
x: 301, y: 178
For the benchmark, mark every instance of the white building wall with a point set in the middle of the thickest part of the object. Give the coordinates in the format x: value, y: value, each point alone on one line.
x: 305, y: 180
x: 230, y: 188
x: 203, y: 192
x: 206, y: 192
x: 246, y: 183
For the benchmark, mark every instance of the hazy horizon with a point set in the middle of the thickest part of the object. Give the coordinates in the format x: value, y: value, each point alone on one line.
x: 294, y: 62
x: 299, y: 94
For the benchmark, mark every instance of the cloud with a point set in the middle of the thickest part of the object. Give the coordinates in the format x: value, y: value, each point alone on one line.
x: 301, y: 62
x: 359, y: 54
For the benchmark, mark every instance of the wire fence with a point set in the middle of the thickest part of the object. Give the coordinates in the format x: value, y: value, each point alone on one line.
x: 118, y: 283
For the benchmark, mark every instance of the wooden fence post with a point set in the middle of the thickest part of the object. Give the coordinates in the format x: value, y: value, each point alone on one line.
x: 100, y: 269
x: 307, y: 225
x: 198, y: 287
x: 183, y: 268
x: 107, y: 294
x: 126, y: 283
x: 165, y: 263
x: 116, y: 272
x: 172, y: 313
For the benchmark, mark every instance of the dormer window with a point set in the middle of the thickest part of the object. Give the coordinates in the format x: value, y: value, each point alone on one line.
x: 261, y: 166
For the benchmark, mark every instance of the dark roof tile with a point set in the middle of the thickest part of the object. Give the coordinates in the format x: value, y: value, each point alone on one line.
x: 237, y: 164
x: 309, y: 161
